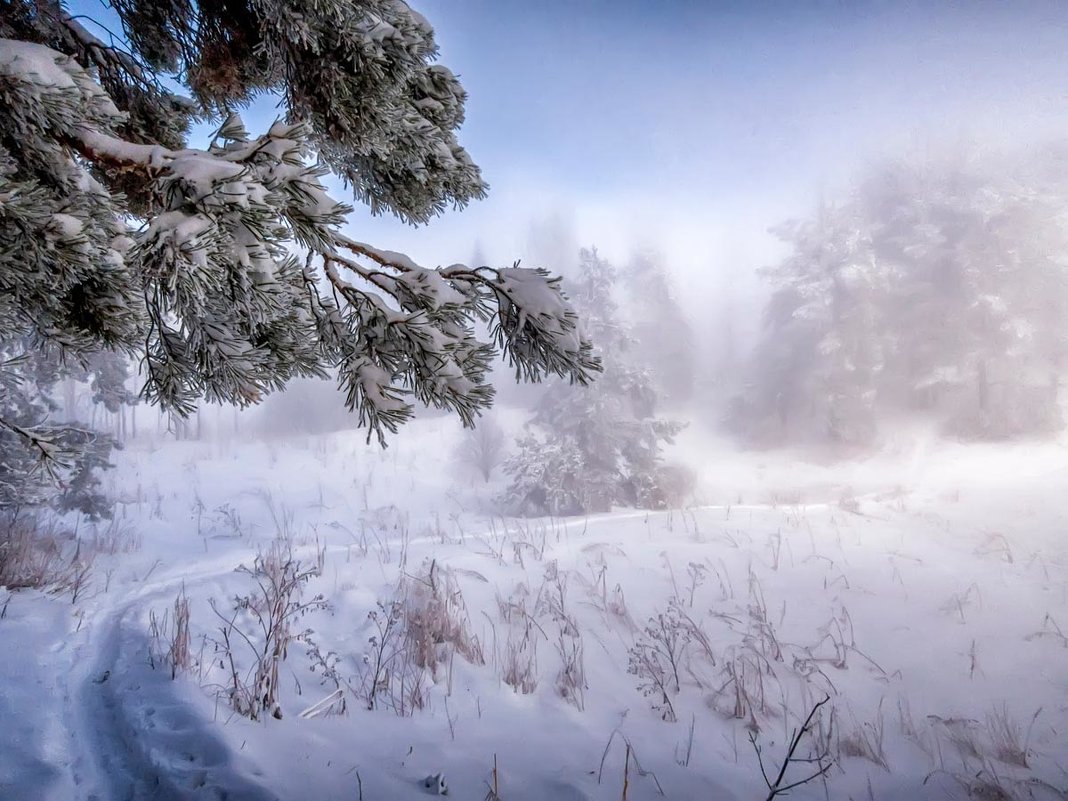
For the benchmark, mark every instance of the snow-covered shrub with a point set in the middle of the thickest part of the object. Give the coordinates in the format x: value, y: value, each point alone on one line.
x: 519, y: 663
x: 571, y: 675
x: 36, y: 552
x: 116, y: 536
x: 656, y: 659
x: 329, y: 667
x: 1009, y: 740
x: 436, y: 622
x: 412, y: 637
x: 27, y: 555
x: 672, y: 486
x: 169, y: 637
x: 865, y: 740
x: 517, y: 658
x: 389, y: 674
x: 258, y: 629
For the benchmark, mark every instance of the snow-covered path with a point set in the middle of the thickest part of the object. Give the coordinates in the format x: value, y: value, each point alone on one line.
x: 34, y: 663
x: 113, y: 727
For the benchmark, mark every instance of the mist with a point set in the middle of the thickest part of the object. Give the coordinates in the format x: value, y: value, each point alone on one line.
x: 692, y: 130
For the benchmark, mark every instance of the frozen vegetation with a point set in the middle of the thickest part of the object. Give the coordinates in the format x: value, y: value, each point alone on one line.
x: 313, y: 617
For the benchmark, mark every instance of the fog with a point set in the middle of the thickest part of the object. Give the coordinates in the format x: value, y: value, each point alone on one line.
x: 697, y: 126
x: 692, y: 130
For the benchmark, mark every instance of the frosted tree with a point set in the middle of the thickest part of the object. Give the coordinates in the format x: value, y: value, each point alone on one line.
x: 663, y: 338
x: 56, y: 461
x: 977, y: 288
x: 936, y: 289
x: 588, y: 449
x: 225, y: 268
x: 815, y: 368
x: 483, y: 448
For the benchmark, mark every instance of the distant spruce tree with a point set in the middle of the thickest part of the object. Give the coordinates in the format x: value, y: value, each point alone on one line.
x: 588, y: 449
x: 662, y: 336
x: 50, y: 455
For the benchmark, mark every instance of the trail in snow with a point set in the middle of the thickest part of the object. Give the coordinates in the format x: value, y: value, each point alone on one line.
x: 129, y: 732
x: 133, y: 733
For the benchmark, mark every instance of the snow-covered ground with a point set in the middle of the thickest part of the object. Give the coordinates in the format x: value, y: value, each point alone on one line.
x: 923, y: 590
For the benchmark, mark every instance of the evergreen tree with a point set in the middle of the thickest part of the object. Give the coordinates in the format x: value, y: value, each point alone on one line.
x: 224, y: 267
x: 589, y: 449
x: 663, y: 338
x: 49, y: 461
x: 820, y: 356
x: 977, y: 290
x: 937, y: 288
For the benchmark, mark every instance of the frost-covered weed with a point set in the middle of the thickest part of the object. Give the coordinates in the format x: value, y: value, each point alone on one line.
x: 259, y: 628
x: 169, y: 635
x: 656, y: 658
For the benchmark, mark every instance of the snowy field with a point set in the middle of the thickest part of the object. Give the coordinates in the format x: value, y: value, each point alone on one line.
x: 632, y: 655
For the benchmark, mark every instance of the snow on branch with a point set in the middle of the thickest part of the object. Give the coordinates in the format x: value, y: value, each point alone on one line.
x: 207, y: 284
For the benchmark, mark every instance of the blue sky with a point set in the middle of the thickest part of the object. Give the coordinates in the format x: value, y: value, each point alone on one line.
x: 606, y: 95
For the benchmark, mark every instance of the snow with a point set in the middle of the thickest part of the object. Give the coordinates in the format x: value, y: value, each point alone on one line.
x: 67, y: 226
x: 182, y: 231
x: 376, y: 384
x: 51, y: 71
x: 203, y: 172
x: 534, y: 297
x: 924, y: 589
x: 431, y: 285
x: 27, y: 59
x: 153, y: 156
x: 390, y: 258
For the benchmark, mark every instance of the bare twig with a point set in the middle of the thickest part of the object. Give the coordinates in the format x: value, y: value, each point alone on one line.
x: 780, y: 786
